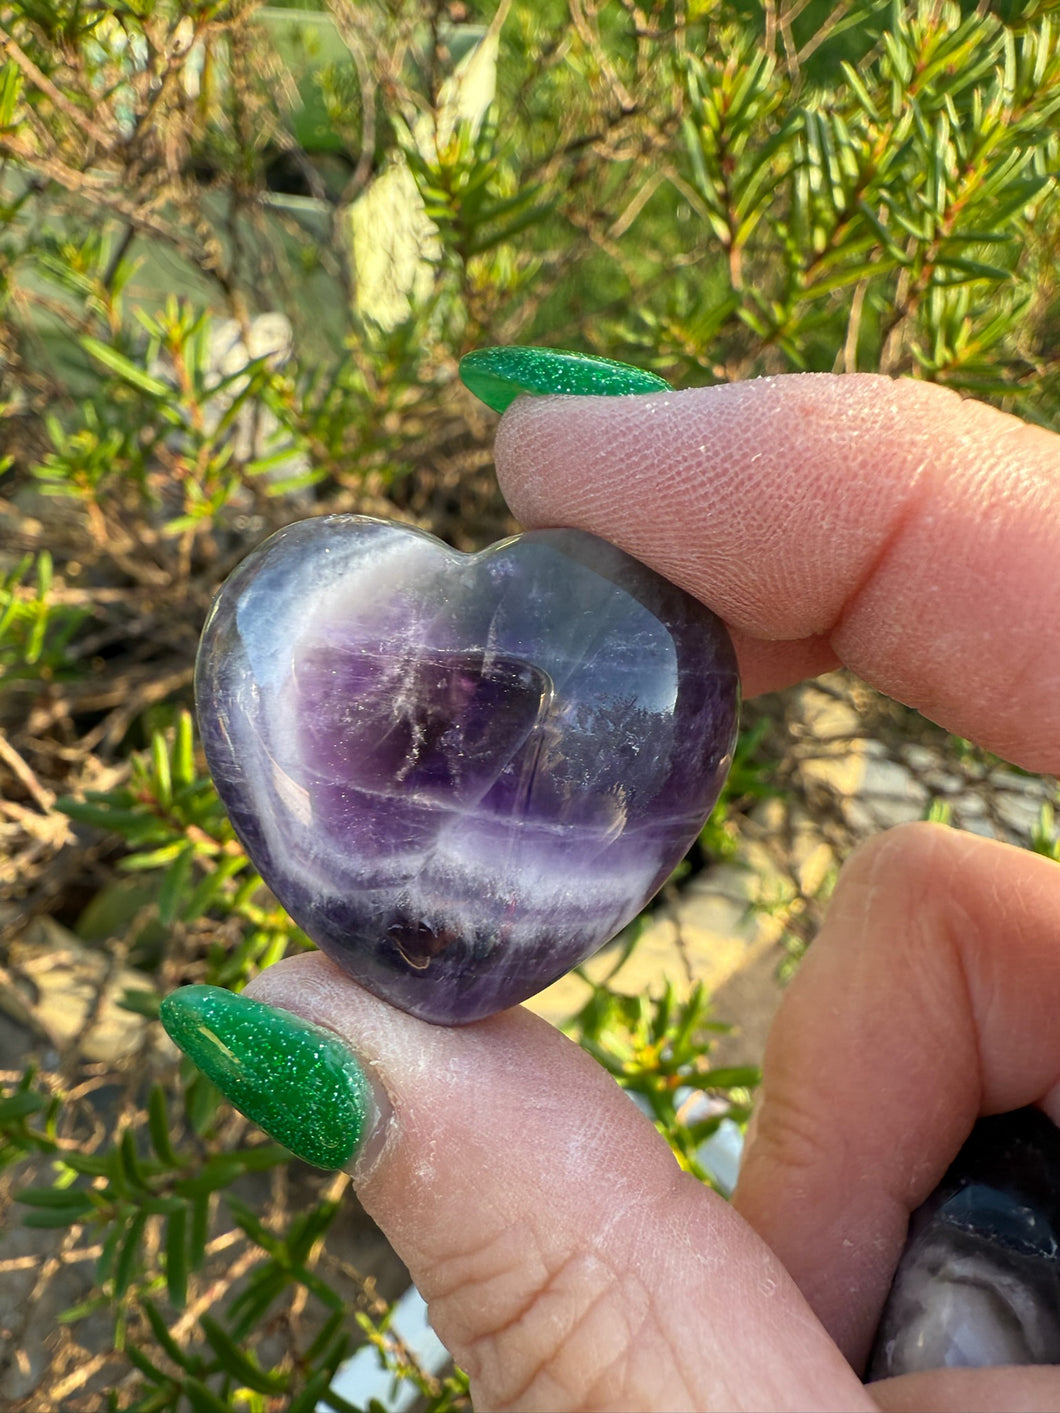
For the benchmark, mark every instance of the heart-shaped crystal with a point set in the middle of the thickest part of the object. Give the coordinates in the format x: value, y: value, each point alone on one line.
x: 461, y: 774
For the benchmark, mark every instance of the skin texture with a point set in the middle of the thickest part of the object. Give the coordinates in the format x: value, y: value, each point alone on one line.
x: 567, y: 1262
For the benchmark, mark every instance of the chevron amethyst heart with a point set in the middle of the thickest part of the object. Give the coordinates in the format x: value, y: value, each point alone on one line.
x: 461, y: 774
x: 979, y: 1280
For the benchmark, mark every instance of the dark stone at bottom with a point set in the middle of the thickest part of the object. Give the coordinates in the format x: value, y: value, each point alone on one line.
x: 978, y: 1282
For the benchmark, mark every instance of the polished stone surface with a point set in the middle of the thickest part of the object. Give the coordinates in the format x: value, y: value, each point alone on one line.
x: 461, y: 774
x: 979, y: 1279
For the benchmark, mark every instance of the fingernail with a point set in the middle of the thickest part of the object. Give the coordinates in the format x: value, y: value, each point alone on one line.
x: 498, y: 375
x: 297, y: 1081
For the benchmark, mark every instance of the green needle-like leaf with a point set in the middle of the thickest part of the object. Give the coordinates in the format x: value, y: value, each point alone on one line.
x: 237, y: 1362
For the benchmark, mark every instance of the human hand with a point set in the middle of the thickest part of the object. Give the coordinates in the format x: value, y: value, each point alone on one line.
x: 567, y: 1262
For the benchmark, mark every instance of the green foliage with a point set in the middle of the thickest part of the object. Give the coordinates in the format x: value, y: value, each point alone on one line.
x: 658, y: 1049
x: 35, y: 632
x: 458, y: 182
x: 1046, y: 837
x: 24, y: 1102
x: 179, y: 838
x: 442, y: 1395
x: 150, y: 1199
x: 750, y: 780
x: 893, y: 220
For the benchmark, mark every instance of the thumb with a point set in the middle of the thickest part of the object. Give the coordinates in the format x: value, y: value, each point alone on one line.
x: 566, y: 1260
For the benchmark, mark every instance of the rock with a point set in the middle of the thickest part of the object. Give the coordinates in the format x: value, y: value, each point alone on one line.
x: 461, y: 774
x: 979, y: 1280
x: 55, y: 981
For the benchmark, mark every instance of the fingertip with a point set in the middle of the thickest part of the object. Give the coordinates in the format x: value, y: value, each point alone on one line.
x: 465, y: 1094
x: 928, y: 997
x: 997, y: 1390
x: 567, y: 1260
x: 913, y: 533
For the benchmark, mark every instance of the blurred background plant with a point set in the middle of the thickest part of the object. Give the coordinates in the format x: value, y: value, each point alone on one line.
x: 241, y: 251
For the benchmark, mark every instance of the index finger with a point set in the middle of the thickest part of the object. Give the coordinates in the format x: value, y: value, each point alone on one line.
x: 886, y: 525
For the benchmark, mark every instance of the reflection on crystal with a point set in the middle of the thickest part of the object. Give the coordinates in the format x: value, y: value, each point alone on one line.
x: 461, y: 774
x: 979, y: 1280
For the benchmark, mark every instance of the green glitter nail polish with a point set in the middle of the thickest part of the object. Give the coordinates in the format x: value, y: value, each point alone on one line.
x: 298, y: 1082
x: 498, y: 375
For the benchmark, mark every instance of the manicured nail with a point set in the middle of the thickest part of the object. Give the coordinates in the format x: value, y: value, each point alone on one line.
x: 499, y: 375
x: 297, y: 1081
